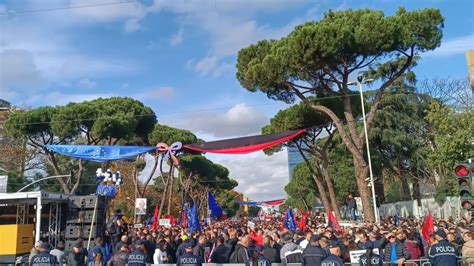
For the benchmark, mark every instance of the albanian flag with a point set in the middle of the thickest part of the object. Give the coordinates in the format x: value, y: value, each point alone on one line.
x: 428, y: 228
x: 302, y: 222
x: 154, y: 226
x: 333, y: 222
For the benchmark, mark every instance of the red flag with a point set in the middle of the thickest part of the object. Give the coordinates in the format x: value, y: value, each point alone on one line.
x: 332, y: 221
x: 172, y: 219
x: 428, y: 228
x: 154, y: 226
x: 302, y: 222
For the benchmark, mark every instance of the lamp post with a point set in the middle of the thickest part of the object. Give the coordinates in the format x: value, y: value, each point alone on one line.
x: 360, y: 80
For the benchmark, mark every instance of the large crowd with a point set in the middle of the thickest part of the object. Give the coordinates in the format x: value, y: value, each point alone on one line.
x: 262, y: 242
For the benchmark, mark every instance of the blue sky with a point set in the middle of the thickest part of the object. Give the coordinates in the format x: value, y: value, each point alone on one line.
x: 179, y: 58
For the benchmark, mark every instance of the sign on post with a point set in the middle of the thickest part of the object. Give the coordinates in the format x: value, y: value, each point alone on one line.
x: 140, y: 206
x: 165, y: 222
x: 355, y: 254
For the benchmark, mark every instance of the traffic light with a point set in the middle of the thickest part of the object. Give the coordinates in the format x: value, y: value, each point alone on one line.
x: 464, y: 173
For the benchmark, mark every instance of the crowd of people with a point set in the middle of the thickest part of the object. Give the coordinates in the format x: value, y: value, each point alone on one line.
x: 262, y: 242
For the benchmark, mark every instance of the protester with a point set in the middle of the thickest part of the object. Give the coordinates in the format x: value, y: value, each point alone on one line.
x: 120, y: 257
x: 395, y: 250
x: 160, y: 256
x: 468, y: 247
x: 118, y: 245
x: 351, y: 206
x: 241, y: 254
x: 96, y: 255
x: 221, y: 251
x: 59, y: 252
x: 43, y: 257
x: 76, y: 256
x: 268, y: 251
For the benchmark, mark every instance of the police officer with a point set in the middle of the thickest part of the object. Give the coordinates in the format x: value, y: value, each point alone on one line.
x: 313, y: 254
x: 334, y: 258
x: 138, y: 257
x: 258, y: 259
x: 370, y: 258
x: 442, y: 253
x: 188, y: 258
x: 43, y: 257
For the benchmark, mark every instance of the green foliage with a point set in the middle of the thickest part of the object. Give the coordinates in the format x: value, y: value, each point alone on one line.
x: 333, y: 45
x: 228, y: 202
x: 301, y: 188
x: 170, y: 135
x: 393, y: 190
x: 253, y: 211
x: 447, y: 187
x: 204, y: 172
x: 15, y: 182
x: 341, y: 170
x: 452, y: 135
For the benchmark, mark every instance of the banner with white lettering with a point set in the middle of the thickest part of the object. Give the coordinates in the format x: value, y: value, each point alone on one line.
x: 355, y: 254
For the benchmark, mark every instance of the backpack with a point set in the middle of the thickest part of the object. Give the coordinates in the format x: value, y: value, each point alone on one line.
x: 111, y: 226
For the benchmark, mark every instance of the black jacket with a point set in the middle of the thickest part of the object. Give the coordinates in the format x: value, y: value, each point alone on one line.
x: 221, y: 254
x: 402, y: 251
x: 332, y: 260
x: 271, y: 254
x: 313, y: 255
x: 240, y: 255
x: 443, y: 253
x: 44, y: 258
x: 189, y: 259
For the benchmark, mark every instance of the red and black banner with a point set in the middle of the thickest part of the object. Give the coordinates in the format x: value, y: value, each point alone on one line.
x: 246, y: 144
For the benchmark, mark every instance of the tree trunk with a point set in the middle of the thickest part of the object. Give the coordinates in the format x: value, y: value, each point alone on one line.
x: 330, y: 185
x: 362, y: 172
x: 322, y: 192
x: 52, y: 162
x: 406, y: 195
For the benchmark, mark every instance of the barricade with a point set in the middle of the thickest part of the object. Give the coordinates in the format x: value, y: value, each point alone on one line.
x: 463, y: 261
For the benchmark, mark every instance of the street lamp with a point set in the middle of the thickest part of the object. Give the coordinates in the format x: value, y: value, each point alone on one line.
x: 360, y: 81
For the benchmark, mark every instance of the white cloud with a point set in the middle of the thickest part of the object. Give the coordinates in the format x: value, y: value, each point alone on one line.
x: 18, y: 68
x: 240, y: 120
x: 232, y: 26
x: 60, y: 98
x: 260, y: 177
x: 161, y: 93
x: 177, y: 38
x: 86, y: 83
x: 453, y: 46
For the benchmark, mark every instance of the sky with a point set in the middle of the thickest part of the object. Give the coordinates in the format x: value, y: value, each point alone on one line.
x: 178, y: 57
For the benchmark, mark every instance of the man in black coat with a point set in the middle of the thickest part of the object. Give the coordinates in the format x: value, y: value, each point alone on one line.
x: 241, y: 255
x: 313, y: 254
x: 221, y: 252
x: 268, y: 251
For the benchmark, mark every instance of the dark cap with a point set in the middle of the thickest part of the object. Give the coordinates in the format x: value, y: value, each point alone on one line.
x: 314, y: 238
x: 187, y: 245
x: 333, y: 244
x: 258, y: 248
x: 45, y: 245
x: 369, y: 245
x: 287, y: 238
x: 78, y: 245
x: 441, y: 233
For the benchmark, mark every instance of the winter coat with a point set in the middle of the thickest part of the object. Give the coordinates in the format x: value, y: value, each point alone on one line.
x: 402, y: 252
x: 240, y: 255
x: 413, y: 248
x: 288, y: 247
x: 468, y: 251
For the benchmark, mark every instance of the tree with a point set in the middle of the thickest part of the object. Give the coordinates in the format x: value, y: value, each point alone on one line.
x: 317, y: 124
x: 318, y: 58
x: 301, y: 189
x: 96, y: 122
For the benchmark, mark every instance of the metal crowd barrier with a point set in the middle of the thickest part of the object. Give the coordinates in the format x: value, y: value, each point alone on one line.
x: 462, y: 261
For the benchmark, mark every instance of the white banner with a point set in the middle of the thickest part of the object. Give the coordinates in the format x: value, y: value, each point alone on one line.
x: 355, y: 254
x: 251, y: 225
x: 165, y: 222
x: 3, y: 183
x: 140, y: 206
